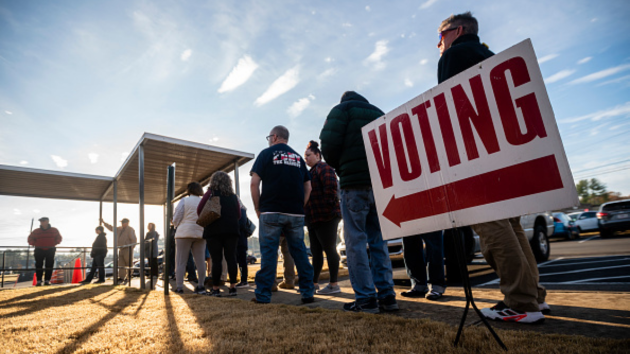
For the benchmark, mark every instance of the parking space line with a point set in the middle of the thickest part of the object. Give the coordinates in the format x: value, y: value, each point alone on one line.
x: 610, y: 260
x: 588, y: 239
x: 586, y: 270
x: 543, y: 264
x: 594, y: 279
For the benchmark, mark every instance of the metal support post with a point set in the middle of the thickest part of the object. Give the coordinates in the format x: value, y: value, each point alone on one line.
x: 3, y: 257
x: 84, y: 262
x: 237, y: 186
x: 100, y: 212
x: 170, y: 191
x: 129, y: 266
x: 115, y: 233
x: 141, y: 197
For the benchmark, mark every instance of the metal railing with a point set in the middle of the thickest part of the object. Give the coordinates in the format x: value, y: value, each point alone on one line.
x: 16, y: 262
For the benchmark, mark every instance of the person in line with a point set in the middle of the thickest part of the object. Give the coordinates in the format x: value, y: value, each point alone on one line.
x: 151, y: 249
x: 286, y: 186
x: 322, y: 217
x: 343, y: 149
x: 44, y: 239
x: 222, y: 235
x: 126, y: 236
x: 503, y: 242
x: 416, y: 265
x: 98, y: 254
x: 241, y: 247
x: 189, y: 237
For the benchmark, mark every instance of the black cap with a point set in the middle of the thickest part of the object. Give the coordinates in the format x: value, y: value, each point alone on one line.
x: 44, y: 218
x: 125, y: 220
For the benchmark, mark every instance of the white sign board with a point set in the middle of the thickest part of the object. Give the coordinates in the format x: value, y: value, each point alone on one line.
x: 481, y: 146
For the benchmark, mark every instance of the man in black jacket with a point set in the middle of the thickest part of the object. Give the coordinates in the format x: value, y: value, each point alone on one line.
x: 99, y: 251
x: 503, y: 242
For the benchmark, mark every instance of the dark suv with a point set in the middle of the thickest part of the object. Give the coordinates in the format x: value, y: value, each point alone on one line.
x: 614, y: 216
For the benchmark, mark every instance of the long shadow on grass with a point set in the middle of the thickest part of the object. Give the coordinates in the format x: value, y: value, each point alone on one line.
x: 173, y: 330
x: 115, y: 309
x: 35, y: 294
x: 57, y: 301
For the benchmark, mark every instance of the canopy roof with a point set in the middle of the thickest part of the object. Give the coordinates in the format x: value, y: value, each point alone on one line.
x: 194, y: 162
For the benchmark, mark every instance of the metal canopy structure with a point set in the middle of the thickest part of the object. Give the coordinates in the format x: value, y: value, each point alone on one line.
x: 142, y: 179
x: 194, y: 161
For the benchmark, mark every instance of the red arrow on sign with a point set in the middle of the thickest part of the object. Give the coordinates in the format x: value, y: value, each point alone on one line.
x: 527, y: 178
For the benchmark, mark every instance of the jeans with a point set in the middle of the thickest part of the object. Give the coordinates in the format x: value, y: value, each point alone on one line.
x: 98, y: 262
x: 361, y: 229
x: 49, y: 256
x: 416, y: 263
x: 271, y: 226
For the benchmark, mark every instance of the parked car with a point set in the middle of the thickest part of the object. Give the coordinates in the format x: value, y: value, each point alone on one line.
x: 251, y: 259
x: 564, y: 226
x: 109, y: 270
x: 613, y: 216
x: 136, y: 265
x: 586, y: 221
x: 537, y: 227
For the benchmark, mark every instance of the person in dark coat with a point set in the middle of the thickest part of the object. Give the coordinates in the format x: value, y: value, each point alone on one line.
x: 99, y: 251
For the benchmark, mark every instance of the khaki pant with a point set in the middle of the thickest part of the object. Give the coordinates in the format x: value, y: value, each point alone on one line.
x: 183, y: 247
x: 124, y: 261
x: 506, y: 249
x: 288, y: 264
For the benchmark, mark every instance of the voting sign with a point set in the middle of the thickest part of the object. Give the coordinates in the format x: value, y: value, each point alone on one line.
x: 481, y: 146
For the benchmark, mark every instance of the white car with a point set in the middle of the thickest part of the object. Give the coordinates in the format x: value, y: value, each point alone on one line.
x: 586, y: 221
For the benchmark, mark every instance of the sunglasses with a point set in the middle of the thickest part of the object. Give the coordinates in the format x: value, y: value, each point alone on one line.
x: 269, y: 137
x: 441, y: 34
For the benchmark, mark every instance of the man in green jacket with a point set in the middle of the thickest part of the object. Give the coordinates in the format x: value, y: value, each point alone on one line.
x: 343, y: 149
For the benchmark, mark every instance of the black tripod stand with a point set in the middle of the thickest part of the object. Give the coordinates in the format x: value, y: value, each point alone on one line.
x: 461, y: 262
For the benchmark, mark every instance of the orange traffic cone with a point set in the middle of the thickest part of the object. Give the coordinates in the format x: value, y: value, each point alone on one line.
x: 34, y: 279
x: 57, y: 277
x: 77, y: 274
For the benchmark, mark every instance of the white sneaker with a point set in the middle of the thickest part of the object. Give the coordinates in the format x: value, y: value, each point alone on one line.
x: 329, y: 289
x: 544, y: 308
x: 501, y: 312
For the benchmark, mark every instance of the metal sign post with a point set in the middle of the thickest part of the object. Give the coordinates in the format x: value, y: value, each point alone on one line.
x: 170, y: 194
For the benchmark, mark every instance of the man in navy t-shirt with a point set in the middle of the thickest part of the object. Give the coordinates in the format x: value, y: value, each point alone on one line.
x: 286, y: 186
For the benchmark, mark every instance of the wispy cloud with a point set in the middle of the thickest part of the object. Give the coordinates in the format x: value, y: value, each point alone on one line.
x: 424, y: 61
x: 615, y: 81
x: 346, y: 24
x: 329, y: 59
x: 59, y: 161
x: 620, y: 110
x: 93, y: 157
x: 17, y: 212
x: 186, y: 54
x: 368, y: 8
x: 279, y: 87
x: 547, y: 58
x: 376, y: 58
x: 427, y: 4
x: 299, y: 106
x: 601, y: 74
x: 408, y: 83
x: 327, y: 73
x: 584, y: 60
x: 8, y: 112
x: 239, y: 74
x: 23, y: 162
x: 559, y: 76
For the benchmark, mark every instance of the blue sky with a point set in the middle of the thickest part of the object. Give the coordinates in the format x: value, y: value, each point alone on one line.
x: 80, y: 82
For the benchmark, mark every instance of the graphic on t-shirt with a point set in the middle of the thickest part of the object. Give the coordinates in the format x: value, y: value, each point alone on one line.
x: 281, y: 157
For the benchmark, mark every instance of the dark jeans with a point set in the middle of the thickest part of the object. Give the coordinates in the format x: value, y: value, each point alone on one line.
x: 416, y: 263
x: 241, y: 257
x: 220, y: 245
x: 98, y: 261
x: 153, y: 263
x: 41, y: 255
x: 323, y: 236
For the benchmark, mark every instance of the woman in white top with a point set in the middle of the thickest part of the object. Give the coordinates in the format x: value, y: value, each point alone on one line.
x: 189, y: 236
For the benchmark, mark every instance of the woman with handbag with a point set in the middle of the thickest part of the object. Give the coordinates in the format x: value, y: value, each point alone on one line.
x: 322, y: 217
x: 223, y: 232
x: 189, y: 237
